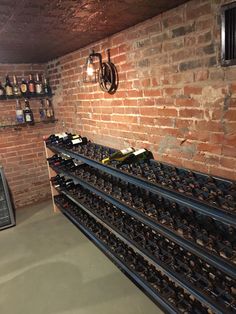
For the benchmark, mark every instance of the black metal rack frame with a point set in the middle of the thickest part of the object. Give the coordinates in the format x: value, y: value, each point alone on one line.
x: 159, y: 265
x: 198, y: 206
x: 190, y: 246
x: 215, y: 213
x: 135, y: 279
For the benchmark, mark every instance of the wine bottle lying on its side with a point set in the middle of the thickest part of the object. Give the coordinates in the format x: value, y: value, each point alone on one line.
x: 74, y: 140
x: 119, y: 155
x: 56, y: 139
x: 137, y: 156
x: 66, y: 140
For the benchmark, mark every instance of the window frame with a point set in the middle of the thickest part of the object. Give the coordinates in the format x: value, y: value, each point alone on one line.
x: 225, y: 62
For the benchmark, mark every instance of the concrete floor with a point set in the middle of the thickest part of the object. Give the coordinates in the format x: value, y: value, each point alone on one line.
x: 47, y: 266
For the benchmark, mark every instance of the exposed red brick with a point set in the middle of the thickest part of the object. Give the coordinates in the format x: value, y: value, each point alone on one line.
x: 211, y: 148
x: 201, y: 75
x: 191, y: 113
x: 187, y: 102
x: 152, y: 92
x: 188, y: 90
x: 157, y: 98
x: 230, y: 115
x: 223, y: 172
x: 172, y: 91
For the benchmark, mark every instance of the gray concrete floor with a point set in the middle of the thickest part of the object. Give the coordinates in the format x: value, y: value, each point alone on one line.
x: 47, y: 266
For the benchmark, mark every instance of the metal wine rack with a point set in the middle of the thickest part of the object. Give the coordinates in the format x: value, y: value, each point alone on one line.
x: 6, y: 213
x: 190, y: 242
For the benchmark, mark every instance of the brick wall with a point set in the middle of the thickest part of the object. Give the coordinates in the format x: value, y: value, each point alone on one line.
x: 22, y: 151
x: 173, y: 96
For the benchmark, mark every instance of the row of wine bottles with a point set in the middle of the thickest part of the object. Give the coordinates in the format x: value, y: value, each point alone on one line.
x: 195, y: 227
x: 26, y: 88
x: 67, y: 140
x: 173, y: 294
x: 214, y: 191
x: 117, y: 157
x: 169, y: 254
x: 25, y: 115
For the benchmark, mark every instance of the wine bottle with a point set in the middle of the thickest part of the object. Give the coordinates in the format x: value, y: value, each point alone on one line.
x: 42, y: 111
x: 74, y: 140
x: 28, y: 113
x: 19, y: 112
x: 8, y: 87
x: 38, y: 85
x: 137, y: 156
x: 16, y: 89
x: 31, y: 85
x: 46, y: 88
x: 56, y: 138
x: 2, y: 91
x: 119, y: 155
x: 24, y: 87
x: 63, y: 135
x: 50, y: 112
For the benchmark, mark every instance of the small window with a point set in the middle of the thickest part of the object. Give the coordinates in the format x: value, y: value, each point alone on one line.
x: 228, y: 34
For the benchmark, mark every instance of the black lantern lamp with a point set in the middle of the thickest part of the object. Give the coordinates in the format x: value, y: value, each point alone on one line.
x: 104, y: 73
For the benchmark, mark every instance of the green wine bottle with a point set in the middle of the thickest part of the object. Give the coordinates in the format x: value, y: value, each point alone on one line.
x: 119, y: 155
x: 138, y: 156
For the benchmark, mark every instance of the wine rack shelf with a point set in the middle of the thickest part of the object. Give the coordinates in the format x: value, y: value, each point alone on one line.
x: 122, y: 266
x: 22, y: 125
x: 32, y: 97
x: 215, y: 213
x: 190, y: 246
x: 209, y: 290
x: 18, y: 126
x: 160, y: 265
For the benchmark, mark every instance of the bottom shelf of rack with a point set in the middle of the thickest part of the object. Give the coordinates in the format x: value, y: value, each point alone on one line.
x: 153, y: 282
x: 126, y: 270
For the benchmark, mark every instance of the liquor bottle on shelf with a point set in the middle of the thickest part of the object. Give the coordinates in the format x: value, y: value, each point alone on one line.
x: 46, y: 88
x: 120, y: 155
x: 2, y: 91
x: 16, y: 89
x: 136, y: 157
x: 19, y: 112
x: 8, y: 87
x: 42, y: 111
x: 24, y: 88
x: 31, y: 85
x: 38, y: 85
x: 28, y: 113
x: 49, y: 110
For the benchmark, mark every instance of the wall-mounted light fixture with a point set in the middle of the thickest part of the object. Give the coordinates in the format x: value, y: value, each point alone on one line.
x: 105, y: 73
